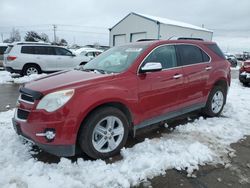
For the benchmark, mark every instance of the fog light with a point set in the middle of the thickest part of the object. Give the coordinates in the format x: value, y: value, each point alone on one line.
x: 49, y: 134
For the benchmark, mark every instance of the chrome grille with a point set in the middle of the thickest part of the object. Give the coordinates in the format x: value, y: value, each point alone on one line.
x: 26, y: 98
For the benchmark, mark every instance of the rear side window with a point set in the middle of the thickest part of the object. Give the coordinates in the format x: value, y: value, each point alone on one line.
x: 27, y: 49
x: 165, y: 55
x: 216, y: 50
x: 2, y: 49
x: 190, y: 54
x: 39, y: 50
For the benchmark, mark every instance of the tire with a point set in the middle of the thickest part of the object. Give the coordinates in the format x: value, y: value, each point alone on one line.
x: 213, y: 108
x: 245, y: 84
x: 31, y: 69
x: 99, y: 141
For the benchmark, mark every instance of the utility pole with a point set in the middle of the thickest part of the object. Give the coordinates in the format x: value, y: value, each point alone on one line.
x: 2, y: 36
x: 54, y: 29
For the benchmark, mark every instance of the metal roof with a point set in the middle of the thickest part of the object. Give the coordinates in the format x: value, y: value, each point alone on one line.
x: 165, y: 21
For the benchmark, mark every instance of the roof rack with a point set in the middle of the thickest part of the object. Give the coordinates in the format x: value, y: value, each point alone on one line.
x: 187, y: 38
x: 143, y: 40
x: 32, y: 43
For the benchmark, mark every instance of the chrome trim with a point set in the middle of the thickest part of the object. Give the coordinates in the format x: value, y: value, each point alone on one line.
x: 16, y: 117
x: 21, y: 100
x: 177, y: 76
x: 173, y: 44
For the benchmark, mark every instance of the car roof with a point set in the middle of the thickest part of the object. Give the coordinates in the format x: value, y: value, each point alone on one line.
x: 29, y: 43
x: 162, y: 42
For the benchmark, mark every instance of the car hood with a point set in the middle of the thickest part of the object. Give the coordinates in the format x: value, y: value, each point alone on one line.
x: 65, y: 79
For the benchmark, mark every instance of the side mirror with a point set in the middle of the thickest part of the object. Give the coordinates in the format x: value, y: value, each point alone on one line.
x: 151, y: 67
x: 73, y: 55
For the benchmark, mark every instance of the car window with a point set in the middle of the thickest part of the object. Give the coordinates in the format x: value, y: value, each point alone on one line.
x: 51, y: 51
x: 41, y: 50
x: 62, y: 51
x: 90, y: 54
x: 190, y: 54
x: 165, y: 55
x: 116, y: 59
x: 97, y: 53
x: 216, y: 50
x: 27, y: 49
x: 205, y: 57
x: 2, y: 49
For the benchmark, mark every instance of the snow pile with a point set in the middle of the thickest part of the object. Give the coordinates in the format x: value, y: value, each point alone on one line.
x: 7, y: 78
x: 198, y: 143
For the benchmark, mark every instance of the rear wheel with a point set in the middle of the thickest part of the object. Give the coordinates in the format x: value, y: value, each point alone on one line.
x: 104, y: 133
x: 215, y: 102
x: 31, y: 69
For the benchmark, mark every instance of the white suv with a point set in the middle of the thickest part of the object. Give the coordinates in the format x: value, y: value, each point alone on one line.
x: 35, y: 58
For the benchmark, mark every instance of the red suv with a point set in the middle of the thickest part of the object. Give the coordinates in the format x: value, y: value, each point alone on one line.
x: 93, y: 108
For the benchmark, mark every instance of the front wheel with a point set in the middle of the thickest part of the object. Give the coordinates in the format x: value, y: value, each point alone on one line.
x: 104, y: 133
x: 215, y: 102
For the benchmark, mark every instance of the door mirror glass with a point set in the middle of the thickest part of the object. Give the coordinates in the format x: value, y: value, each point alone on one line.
x: 151, y: 67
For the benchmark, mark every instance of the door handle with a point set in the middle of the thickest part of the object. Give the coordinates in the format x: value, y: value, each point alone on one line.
x: 177, y: 76
x: 208, y: 68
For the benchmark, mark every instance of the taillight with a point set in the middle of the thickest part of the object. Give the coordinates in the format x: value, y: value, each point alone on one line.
x: 11, y: 58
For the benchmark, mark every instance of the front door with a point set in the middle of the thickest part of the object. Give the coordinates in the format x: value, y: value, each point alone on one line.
x: 159, y: 91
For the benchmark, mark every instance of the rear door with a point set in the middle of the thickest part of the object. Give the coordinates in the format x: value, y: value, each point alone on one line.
x: 159, y: 91
x: 196, y: 68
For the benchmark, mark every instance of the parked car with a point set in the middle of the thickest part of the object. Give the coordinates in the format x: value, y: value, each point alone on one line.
x: 90, y: 53
x: 35, y: 58
x: 93, y: 108
x: 244, y: 75
x: 240, y: 57
x: 3, y: 47
x: 246, y: 55
x: 232, y: 59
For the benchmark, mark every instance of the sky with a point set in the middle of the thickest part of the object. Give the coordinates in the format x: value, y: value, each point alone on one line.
x: 87, y: 22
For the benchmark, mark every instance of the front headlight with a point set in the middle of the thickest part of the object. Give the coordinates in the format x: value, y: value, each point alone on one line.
x: 55, y: 100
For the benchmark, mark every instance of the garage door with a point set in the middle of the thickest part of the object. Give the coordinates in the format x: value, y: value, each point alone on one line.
x: 119, y: 39
x: 137, y: 36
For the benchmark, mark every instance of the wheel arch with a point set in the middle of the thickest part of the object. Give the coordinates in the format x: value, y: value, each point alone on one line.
x: 30, y: 63
x: 116, y: 104
x: 223, y: 83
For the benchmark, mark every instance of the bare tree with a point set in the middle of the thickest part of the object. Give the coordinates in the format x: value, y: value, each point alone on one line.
x: 14, y: 36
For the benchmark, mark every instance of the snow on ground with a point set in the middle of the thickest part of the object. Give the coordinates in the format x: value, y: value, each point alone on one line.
x: 204, y: 141
x: 8, y: 78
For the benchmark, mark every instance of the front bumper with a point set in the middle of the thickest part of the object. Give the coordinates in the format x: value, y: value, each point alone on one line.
x: 58, y: 150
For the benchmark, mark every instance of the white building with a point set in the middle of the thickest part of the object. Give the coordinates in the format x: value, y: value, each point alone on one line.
x: 140, y: 26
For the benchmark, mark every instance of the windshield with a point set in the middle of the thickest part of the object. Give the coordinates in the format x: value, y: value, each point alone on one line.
x: 117, y: 59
